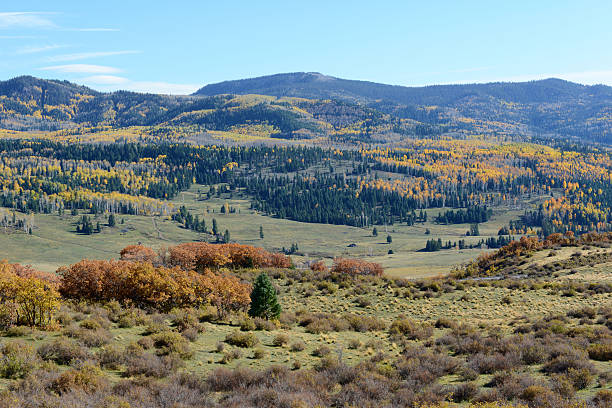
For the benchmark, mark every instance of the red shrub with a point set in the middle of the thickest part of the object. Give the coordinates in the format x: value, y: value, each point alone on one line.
x: 318, y: 266
x: 145, y: 285
x: 202, y: 255
x: 138, y: 253
x: 356, y: 267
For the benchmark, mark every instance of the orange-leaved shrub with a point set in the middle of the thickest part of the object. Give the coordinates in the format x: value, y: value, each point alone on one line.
x: 147, y: 286
x: 318, y: 266
x: 356, y: 267
x: 138, y: 253
x: 202, y: 255
x: 488, y: 263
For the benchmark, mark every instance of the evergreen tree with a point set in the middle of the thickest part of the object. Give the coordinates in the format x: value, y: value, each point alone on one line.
x: 389, y: 239
x: 226, y: 236
x: 111, y: 220
x: 375, y: 232
x: 215, y: 229
x: 474, y: 230
x: 261, y: 233
x: 264, y: 303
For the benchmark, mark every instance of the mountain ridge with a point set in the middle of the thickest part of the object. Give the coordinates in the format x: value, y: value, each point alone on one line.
x: 280, y: 85
x: 306, y: 104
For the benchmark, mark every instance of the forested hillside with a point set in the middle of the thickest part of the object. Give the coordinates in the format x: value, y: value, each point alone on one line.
x: 550, y: 106
x: 310, y: 105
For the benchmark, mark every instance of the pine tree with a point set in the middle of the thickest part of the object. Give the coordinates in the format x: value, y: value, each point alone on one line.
x: 375, y: 232
x: 261, y: 233
x: 111, y: 220
x: 226, y: 236
x: 389, y: 239
x: 264, y: 303
x: 214, y: 227
x: 474, y: 230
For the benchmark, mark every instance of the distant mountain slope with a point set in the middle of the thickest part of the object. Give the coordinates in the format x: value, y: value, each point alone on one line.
x: 28, y: 103
x: 317, y: 86
x: 550, y: 106
x: 299, y: 105
x: 33, y: 103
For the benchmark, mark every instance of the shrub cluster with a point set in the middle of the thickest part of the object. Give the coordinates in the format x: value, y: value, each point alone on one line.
x: 202, y: 255
x: 326, y: 322
x: 147, y: 286
x: 356, y: 267
x: 138, y: 253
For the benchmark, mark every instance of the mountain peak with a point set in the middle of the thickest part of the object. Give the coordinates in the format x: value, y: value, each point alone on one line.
x: 319, y: 86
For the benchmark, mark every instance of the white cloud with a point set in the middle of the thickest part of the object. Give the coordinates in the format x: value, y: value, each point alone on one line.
x: 82, y: 69
x: 163, y: 88
x: 27, y: 19
x: 37, y: 49
x: 88, y: 55
x: 105, y: 80
x: 114, y: 83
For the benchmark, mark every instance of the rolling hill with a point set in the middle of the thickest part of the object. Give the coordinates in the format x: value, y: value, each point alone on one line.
x: 314, y: 85
x: 551, y: 106
x: 305, y: 105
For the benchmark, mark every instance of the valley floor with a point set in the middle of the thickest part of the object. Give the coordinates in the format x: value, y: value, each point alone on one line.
x: 54, y: 242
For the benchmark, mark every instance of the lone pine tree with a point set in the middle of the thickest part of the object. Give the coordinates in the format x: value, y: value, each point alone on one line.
x: 264, y: 303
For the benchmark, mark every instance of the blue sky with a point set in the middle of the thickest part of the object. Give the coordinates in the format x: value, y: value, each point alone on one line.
x: 179, y: 46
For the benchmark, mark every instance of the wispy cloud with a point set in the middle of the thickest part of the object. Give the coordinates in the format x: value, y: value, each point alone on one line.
x: 105, y: 80
x: 88, y: 55
x: 82, y: 69
x: 38, y: 49
x: 26, y: 19
x: 163, y: 87
x: 113, y: 83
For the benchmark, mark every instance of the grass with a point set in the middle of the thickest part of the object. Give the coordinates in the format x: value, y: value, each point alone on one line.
x: 483, y: 305
x: 478, y: 306
x: 54, y: 241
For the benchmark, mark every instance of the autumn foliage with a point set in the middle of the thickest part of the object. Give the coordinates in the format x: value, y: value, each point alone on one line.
x: 356, y: 267
x: 202, y: 255
x: 27, y: 296
x: 318, y: 266
x: 227, y: 293
x: 138, y: 253
x: 487, y: 263
x: 148, y: 286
